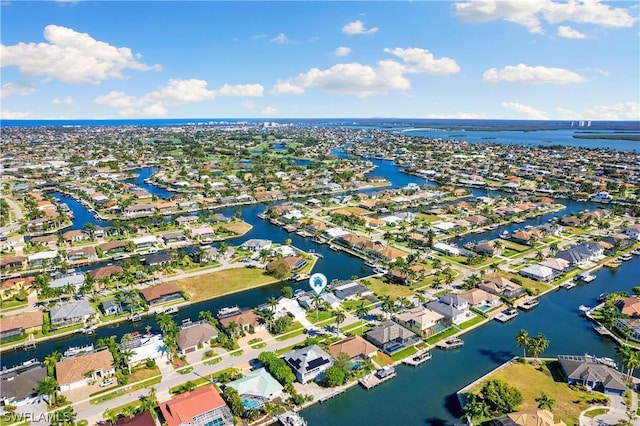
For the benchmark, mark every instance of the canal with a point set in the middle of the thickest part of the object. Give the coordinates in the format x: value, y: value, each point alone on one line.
x: 422, y: 395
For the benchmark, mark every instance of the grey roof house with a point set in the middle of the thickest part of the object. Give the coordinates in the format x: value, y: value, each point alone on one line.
x: 71, y: 313
x: 391, y: 337
x: 17, y: 384
x: 308, y: 363
x: 587, y: 371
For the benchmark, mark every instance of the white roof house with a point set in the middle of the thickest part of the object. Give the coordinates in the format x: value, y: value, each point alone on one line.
x: 537, y: 272
x: 147, y: 347
x: 147, y: 239
x: 335, y: 232
x: 446, y: 248
x: 42, y: 255
x: 444, y: 226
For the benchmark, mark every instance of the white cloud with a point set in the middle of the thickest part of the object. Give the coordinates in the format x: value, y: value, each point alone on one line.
x: 249, y: 104
x: 342, y: 51
x: 10, y: 89
x: 423, y: 61
x: 565, y: 113
x: 247, y: 90
x: 269, y: 111
x: 357, y: 27
x: 460, y: 115
x: 352, y: 79
x: 175, y: 92
x: 5, y: 114
x: 528, y: 12
x: 62, y: 101
x: 280, y: 38
x: 622, y: 111
x: 72, y: 57
x: 522, y: 73
x: 258, y: 36
x: 566, y: 31
x: 526, y: 111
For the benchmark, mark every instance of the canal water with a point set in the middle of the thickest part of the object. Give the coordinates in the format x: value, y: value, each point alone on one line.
x: 424, y: 395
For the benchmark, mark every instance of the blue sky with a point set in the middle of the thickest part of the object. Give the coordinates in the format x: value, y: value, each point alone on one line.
x: 520, y: 59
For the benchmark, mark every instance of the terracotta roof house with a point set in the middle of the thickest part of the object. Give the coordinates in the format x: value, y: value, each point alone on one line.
x: 72, y: 373
x: 533, y: 417
x: 631, y: 306
x: 87, y: 254
x: 423, y: 322
x: 13, y: 285
x: 502, y: 286
x: 586, y: 370
x: 11, y: 262
x: 193, y: 335
x: 19, y: 324
x: 355, y: 347
x: 75, y: 236
x: 17, y: 385
x: 308, y: 363
x: 113, y: 247
x: 161, y: 293
x: 142, y: 419
x: 105, y: 272
x: 245, y: 319
x: 203, y: 406
x: 479, y: 298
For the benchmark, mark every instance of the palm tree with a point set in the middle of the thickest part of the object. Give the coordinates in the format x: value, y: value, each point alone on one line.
x: 317, y: 301
x: 387, y: 304
x: 387, y: 236
x: 49, y: 388
x: 64, y: 417
x: 166, y: 324
x: 127, y: 354
x: 545, y: 401
x: 630, y: 358
x: 268, y: 316
x: 362, y: 311
x: 538, y: 345
x: 50, y: 361
x: 272, y: 302
x: 475, y: 407
x: 232, y: 328
x: 522, y: 340
x: 340, y: 317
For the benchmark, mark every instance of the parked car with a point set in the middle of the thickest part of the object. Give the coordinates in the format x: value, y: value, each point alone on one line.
x: 106, y: 383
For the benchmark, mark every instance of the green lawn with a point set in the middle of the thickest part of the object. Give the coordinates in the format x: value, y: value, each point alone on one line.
x: 442, y: 335
x: 400, y: 355
x: 322, y: 316
x: 350, y: 305
x: 208, y: 286
x: 383, y: 288
x: 596, y: 412
x: 126, y: 389
x: 473, y: 321
x: 294, y: 329
x: 356, y: 329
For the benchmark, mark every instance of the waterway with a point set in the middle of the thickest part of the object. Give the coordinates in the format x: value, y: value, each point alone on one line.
x: 415, y: 396
x: 145, y: 173
x: 426, y: 394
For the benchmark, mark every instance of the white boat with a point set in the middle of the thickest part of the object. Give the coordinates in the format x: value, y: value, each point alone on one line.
x: 569, y: 285
x: 635, y: 252
x: 626, y: 257
x: 602, y: 297
x: 291, y: 418
x: 507, y: 314
x: 76, y: 350
x: 334, y: 248
x: 586, y: 277
x: 228, y: 311
x: 171, y: 310
x: 584, y: 308
x: 529, y: 304
x: 504, y: 234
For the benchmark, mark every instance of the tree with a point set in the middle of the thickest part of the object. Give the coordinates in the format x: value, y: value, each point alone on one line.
x: 277, y: 269
x: 630, y: 358
x: 475, y: 407
x: 64, y: 417
x: 538, y: 345
x: 522, y: 340
x: 233, y: 328
x: 362, y: 311
x: 50, y: 361
x: 334, y: 376
x: 233, y: 400
x: 339, y: 317
x: 272, y: 302
x: 317, y: 301
x: 48, y: 387
x: 545, y: 401
x: 387, y: 304
x: 500, y: 397
x: 287, y: 292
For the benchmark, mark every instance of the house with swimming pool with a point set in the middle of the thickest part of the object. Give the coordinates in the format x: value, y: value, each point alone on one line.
x: 391, y: 337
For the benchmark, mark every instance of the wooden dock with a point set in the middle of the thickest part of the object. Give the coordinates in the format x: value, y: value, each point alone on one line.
x: 418, y: 358
x: 374, y: 379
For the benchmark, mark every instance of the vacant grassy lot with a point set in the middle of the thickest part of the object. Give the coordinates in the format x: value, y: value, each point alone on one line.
x: 238, y: 227
x: 528, y: 283
x: 358, y: 211
x: 218, y: 283
x: 382, y: 288
x: 531, y: 382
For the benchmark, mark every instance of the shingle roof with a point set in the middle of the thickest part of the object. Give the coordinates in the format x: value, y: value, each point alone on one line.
x: 352, y: 346
x: 73, y: 369
x: 77, y: 309
x: 20, y: 384
x: 24, y: 320
x: 191, y: 336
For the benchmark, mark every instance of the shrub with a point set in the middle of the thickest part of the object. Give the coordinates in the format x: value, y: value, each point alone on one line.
x: 151, y: 363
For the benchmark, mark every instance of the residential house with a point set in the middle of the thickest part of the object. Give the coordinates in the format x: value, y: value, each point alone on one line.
x: 14, y: 242
x: 113, y: 247
x: 633, y: 232
x: 18, y: 384
x: 20, y: 324
x: 75, y: 236
x: 203, y: 406
x: 414, y: 273
x: 488, y: 248
x: 355, y: 347
x: 111, y: 307
x: 256, y: 245
x: 174, y: 238
x: 454, y: 308
x: 630, y: 306
x: 350, y: 290
x: 204, y: 255
x: 11, y: 287
x: 502, y: 286
x: 246, y: 319
x: 203, y: 232
x: 84, y: 254
x: 257, y: 387
x: 558, y: 265
x: 581, y: 255
x: 141, y: 419
x: 102, y: 272
x: 156, y: 259
x: 308, y: 363
x: 161, y: 293
x: 144, y: 243
x: 391, y: 337
x: 532, y: 417
x: 587, y: 371
x: 36, y: 260
x: 75, y: 280
x: 480, y: 299
x: 144, y: 347
x: 8, y: 263
x: 194, y: 336
x: 526, y: 237
x: 538, y: 272
x: 71, y: 313
x: 388, y: 254
x: 292, y: 263
x: 73, y: 373
x: 424, y: 322
x: 142, y: 209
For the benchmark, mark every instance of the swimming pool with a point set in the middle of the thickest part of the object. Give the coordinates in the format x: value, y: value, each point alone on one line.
x: 250, y: 404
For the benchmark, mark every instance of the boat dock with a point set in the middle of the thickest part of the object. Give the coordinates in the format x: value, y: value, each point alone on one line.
x: 30, y: 343
x: 374, y: 379
x: 602, y: 330
x: 529, y: 304
x: 291, y: 418
x: 506, y: 315
x: 418, y: 358
x: 451, y: 343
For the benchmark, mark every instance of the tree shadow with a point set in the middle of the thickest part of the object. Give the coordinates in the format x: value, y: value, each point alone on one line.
x: 498, y: 357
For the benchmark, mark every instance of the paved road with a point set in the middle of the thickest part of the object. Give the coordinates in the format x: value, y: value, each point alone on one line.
x: 17, y: 211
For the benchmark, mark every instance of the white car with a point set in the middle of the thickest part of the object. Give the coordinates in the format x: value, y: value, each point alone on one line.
x: 106, y: 383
